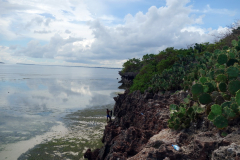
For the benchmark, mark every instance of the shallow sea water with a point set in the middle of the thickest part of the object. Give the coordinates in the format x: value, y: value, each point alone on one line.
x: 37, y: 101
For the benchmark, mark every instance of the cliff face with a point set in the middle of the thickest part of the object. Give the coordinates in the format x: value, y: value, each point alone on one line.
x: 140, y: 131
x: 137, y: 118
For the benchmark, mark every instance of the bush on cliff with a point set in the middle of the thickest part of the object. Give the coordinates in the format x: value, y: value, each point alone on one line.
x: 162, y: 64
x: 217, y: 88
x: 141, y: 81
x: 132, y: 65
x: 172, y: 78
x: 135, y: 64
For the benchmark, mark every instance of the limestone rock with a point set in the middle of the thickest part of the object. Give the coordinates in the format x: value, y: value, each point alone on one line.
x: 140, y: 131
x: 231, y: 152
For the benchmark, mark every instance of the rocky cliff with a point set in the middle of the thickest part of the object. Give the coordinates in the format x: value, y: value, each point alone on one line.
x: 140, y: 131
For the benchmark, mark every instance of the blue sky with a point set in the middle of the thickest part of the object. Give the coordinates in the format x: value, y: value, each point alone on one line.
x: 106, y: 32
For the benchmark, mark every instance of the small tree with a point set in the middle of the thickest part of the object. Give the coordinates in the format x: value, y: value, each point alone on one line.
x: 132, y: 65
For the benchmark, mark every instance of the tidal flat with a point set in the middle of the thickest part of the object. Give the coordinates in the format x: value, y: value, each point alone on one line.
x: 45, y: 109
x: 84, y: 130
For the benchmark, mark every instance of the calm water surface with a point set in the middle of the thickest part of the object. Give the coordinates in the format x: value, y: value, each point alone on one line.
x: 34, y: 99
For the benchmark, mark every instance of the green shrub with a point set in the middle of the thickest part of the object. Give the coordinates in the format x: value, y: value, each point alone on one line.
x: 172, y: 78
x: 141, y: 81
x: 165, y: 64
x: 181, y: 117
x: 132, y: 65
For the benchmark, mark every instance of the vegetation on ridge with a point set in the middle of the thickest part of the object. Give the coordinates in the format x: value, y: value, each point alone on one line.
x: 210, y: 72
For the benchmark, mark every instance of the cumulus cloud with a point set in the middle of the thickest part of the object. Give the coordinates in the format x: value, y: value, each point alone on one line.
x: 21, y: 19
x: 105, y: 40
x: 53, y: 48
x: 141, y: 33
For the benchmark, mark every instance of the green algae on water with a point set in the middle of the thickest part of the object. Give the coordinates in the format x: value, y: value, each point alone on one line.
x: 85, y: 131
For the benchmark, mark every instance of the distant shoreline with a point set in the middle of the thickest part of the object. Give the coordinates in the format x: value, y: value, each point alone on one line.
x: 68, y: 66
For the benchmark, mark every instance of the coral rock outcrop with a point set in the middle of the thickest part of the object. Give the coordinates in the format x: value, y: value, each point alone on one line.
x: 140, y: 131
x: 138, y: 117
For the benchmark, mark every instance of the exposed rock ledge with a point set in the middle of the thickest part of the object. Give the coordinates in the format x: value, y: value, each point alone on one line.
x: 140, y: 132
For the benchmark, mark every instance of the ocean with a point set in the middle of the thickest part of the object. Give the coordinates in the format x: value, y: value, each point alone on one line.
x: 35, y: 101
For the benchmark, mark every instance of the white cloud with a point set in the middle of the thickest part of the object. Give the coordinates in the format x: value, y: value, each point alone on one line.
x: 148, y: 33
x: 6, y: 57
x: 56, y: 46
x: 25, y: 18
x: 199, y: 19
x: 73, y: 32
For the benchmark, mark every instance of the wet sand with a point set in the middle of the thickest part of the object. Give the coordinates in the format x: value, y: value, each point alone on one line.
x: 84, y: 129
x: 13, y: 151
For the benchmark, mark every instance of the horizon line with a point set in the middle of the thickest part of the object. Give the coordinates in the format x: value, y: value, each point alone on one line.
x: 66, y: 66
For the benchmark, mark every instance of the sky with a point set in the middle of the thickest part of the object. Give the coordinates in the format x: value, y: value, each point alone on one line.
x: 106, y: 33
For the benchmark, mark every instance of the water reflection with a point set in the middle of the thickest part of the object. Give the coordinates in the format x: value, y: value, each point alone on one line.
x: 31, y: 104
